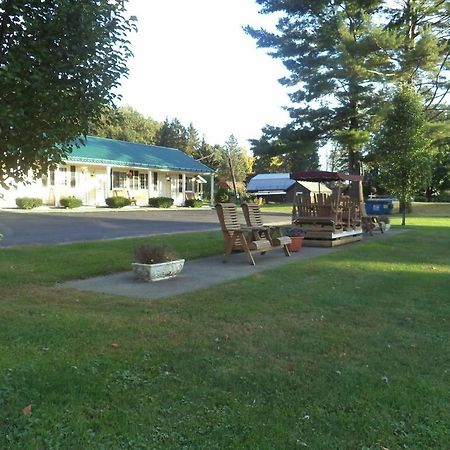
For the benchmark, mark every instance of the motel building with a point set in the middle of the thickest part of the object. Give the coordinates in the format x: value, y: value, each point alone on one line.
x: 106, y: 168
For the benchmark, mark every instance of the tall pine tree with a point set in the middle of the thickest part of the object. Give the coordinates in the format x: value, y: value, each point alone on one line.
x: 345, y: 57
x: 329, y: 49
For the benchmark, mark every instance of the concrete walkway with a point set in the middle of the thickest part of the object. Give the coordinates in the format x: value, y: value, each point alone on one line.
x: 202, y: 273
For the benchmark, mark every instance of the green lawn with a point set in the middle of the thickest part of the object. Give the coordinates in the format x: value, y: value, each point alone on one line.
x: 347, y: 351
x: 426, y: 210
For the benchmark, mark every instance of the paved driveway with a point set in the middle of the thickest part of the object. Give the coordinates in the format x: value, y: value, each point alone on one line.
x: 49, y: 227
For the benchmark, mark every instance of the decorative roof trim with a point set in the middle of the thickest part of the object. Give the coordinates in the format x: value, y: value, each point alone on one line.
x: 130, y: 164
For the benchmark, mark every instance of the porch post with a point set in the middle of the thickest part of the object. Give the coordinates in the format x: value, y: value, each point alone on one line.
x: 183, y: 187
x: 212, y: 189
x: 150, y: 184
x: 108, y: 182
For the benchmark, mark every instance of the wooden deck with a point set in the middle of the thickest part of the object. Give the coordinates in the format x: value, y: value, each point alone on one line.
x: 329, y: 239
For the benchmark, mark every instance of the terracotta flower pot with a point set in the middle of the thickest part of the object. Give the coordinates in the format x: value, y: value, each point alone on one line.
x: 296, y: 243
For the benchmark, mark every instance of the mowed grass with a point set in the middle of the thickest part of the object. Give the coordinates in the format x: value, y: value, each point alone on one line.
x: 419, y: 210
x: 347, y: 351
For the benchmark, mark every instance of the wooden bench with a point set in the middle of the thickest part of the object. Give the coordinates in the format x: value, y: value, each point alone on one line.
x: 245, y: 238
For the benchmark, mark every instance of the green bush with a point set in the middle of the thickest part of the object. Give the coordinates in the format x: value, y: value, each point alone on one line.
x: 193, y: 203
x: 28, y: 202
x: 445, y: 198
x: 160, y: 202
x: 117, y: 202
x: 222, y: 196
x: 70, y: 202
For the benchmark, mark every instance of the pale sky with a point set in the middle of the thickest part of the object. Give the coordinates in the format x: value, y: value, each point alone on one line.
x: 193, y: 61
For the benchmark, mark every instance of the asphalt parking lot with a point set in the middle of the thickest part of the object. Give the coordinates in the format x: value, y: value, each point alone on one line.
x: 62, y: 226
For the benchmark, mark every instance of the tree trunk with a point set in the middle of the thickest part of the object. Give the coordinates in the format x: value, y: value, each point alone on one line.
x: 403, y: 206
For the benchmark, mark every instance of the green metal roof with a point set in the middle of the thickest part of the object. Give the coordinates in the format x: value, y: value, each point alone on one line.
x: 129, y: 154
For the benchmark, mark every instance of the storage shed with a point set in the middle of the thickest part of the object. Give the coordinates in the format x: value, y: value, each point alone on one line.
x: 279, y: 187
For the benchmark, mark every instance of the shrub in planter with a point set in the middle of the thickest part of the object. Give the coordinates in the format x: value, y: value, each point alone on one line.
x: 70, y: 202
x: 294, y: 232
x: 153, y: 263
x: 193, y: 203
x: 297, y: 235
x: 154, y: 254
x: 117, y: 202
x: 28, y: 202
x: 160, y: 202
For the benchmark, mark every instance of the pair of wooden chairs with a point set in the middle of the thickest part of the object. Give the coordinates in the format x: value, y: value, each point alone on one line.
x: 250, y: 238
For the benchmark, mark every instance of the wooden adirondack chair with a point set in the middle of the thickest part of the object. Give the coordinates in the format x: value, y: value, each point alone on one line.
x: 253, y: 218
x: 241, y: 238
x: 371, y: 223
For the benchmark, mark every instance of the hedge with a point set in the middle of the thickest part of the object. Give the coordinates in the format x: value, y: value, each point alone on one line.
x: 160, y: 202
x: 28, y: 202
x: 70, y: 202
x: 117, y: 202
x: 193, y: 203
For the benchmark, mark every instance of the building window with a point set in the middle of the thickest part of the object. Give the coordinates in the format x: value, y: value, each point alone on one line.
x: 119, y: 180
x: 180, y: 183
x: 73, y: 172
x: 134, y: 179
x: 52, y: 177
x: 189, y: 184
x: 63, y: 176
x: 155, y: 181
x: 143, y: 180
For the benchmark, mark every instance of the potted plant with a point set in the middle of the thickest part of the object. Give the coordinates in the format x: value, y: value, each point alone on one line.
x: 156, y: 262
x: 297, y: 235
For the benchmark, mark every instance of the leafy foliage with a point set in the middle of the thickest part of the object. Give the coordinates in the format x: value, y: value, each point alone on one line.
x: 160, y: 202
x: 222, y: 195
x: 117, y: 202
x: 294, y: 232
x: 126, y: 124
x: 344, y: 58
x: 70, y: 202
x: 234, y: 161
x: 154, y: 254
x: 193, y: 203
x: 28, y: 202
x: 403, y: 150
x: 172, y: 134
x: 284, y: 150
x: 59, y: 64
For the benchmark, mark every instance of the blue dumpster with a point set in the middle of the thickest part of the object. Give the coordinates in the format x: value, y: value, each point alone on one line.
x: 379, y: 206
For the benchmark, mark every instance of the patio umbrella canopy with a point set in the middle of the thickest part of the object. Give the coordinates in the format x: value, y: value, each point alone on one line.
x: 319, y: 175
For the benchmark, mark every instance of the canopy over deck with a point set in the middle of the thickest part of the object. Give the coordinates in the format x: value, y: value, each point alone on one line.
x: 319, y: 175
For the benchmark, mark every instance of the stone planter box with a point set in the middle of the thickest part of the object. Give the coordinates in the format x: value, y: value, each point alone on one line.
x: 156, y: 272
